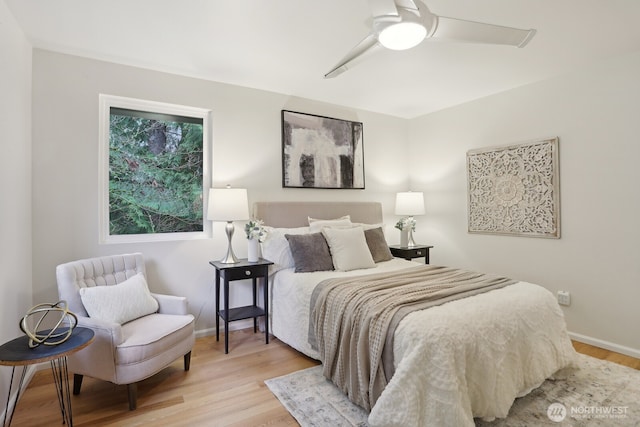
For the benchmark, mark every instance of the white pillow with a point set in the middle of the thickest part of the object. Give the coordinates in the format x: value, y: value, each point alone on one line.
x: 276, y: 249
x: 316, y: 225
x: 119, y: 303
x: 349, y: 249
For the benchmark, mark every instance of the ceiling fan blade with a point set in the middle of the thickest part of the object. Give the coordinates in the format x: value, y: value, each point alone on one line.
x: 383, y: 8
x: 478, y: 32
x: 354, y: 55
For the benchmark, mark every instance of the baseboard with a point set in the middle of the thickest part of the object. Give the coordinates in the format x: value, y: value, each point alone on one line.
x: 233, y: 326
x: 31, y: 370
x: 606, y: 345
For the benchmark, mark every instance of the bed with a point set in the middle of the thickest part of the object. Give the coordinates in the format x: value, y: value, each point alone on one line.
x: 461, y: 359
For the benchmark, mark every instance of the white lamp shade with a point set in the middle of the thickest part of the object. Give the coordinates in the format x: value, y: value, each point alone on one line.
x: 228, y: 204
x: 410, y: 203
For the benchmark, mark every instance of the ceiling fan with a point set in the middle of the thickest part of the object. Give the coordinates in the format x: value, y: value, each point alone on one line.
x: 403, y: 24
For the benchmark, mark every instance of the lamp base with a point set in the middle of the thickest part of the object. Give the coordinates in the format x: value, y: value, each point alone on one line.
x: 230, y: 258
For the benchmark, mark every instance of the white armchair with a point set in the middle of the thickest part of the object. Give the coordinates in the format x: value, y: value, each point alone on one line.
x: 135, y: 350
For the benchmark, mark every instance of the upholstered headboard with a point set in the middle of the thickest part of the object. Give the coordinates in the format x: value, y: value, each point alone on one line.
x: 295, y: 214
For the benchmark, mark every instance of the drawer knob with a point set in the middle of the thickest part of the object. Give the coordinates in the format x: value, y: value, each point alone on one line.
x: 247, y: 272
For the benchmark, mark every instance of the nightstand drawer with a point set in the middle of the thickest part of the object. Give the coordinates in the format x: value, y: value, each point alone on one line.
x: 408, y: 253
x: 245, y: 272
x: 417, y: 253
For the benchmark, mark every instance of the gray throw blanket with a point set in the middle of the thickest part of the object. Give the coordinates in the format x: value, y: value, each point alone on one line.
x: 352, y: 320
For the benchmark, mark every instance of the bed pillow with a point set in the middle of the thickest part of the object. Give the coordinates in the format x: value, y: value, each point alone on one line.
x: 119, y: 303
x: 276, y: 249
x: 316, y: 225
x: 310, y: 252
x: 377, y: 244
x: 349, y: 250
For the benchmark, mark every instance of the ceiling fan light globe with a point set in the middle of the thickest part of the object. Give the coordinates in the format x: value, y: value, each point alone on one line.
x: 402, y: 35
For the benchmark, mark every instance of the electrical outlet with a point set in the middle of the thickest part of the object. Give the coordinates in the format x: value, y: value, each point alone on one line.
x: 564, y: 298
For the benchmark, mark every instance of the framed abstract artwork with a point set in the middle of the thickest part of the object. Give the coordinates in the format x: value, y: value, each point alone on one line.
x: 321, y: 152
x: 515, y: 190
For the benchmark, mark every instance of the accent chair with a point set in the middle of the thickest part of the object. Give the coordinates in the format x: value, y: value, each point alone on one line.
x: 135, y: 337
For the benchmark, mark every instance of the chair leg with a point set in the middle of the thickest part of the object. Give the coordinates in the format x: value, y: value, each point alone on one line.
x: 77, y: 383
x: 187, y: 361
x: 132, y: 390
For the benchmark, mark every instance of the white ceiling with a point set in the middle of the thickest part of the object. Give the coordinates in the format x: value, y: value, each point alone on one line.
x: 286, y: 46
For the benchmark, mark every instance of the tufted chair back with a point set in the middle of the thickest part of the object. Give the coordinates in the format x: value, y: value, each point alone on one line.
x: 102, y: 271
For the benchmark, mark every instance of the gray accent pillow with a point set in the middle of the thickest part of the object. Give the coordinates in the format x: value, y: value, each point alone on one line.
x: 377, y: 245
x: 310, y: 252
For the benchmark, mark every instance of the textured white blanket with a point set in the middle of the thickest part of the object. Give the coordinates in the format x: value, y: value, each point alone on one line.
x: 474, y: 358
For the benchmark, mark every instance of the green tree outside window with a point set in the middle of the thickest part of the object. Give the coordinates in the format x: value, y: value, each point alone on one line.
x: 155, y: 173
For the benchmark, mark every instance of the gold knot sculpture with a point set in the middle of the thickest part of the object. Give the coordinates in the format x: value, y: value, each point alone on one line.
x: 55, y: 335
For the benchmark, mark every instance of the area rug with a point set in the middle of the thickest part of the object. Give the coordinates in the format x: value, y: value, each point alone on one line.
x: 600, y: 393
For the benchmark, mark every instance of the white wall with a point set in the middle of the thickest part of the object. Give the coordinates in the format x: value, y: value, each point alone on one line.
x: 246, y: 153
x: 594, y: 112
x: 15, y: 182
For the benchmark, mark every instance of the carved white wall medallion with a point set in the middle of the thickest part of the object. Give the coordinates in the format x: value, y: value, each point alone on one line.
x: 514, y: 190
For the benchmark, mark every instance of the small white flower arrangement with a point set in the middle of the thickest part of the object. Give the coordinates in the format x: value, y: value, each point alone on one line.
x: 406, y: 224
x: 254, y: 229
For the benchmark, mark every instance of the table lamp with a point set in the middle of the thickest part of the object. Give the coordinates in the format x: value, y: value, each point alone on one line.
x: 228, y: 204
x: 410, y: 203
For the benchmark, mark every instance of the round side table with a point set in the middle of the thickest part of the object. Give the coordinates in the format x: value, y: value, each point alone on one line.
x: 17, y: 353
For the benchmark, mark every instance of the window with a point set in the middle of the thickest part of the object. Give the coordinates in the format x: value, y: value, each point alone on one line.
x: 154, y: 170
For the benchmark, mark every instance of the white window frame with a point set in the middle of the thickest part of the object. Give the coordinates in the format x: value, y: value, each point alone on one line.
x: 108, y: 101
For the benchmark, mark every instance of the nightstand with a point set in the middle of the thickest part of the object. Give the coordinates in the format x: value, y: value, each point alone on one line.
x: 241, y: 270
x: 407, y: 253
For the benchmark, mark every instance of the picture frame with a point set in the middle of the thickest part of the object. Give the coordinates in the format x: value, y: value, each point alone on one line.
x: 321, y: 152
x: 515, y: 190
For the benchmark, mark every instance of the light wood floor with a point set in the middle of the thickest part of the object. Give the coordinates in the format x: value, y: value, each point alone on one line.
x: 219, y: 390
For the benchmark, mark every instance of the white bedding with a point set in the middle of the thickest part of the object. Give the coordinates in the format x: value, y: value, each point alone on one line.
x: 464, y: 359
